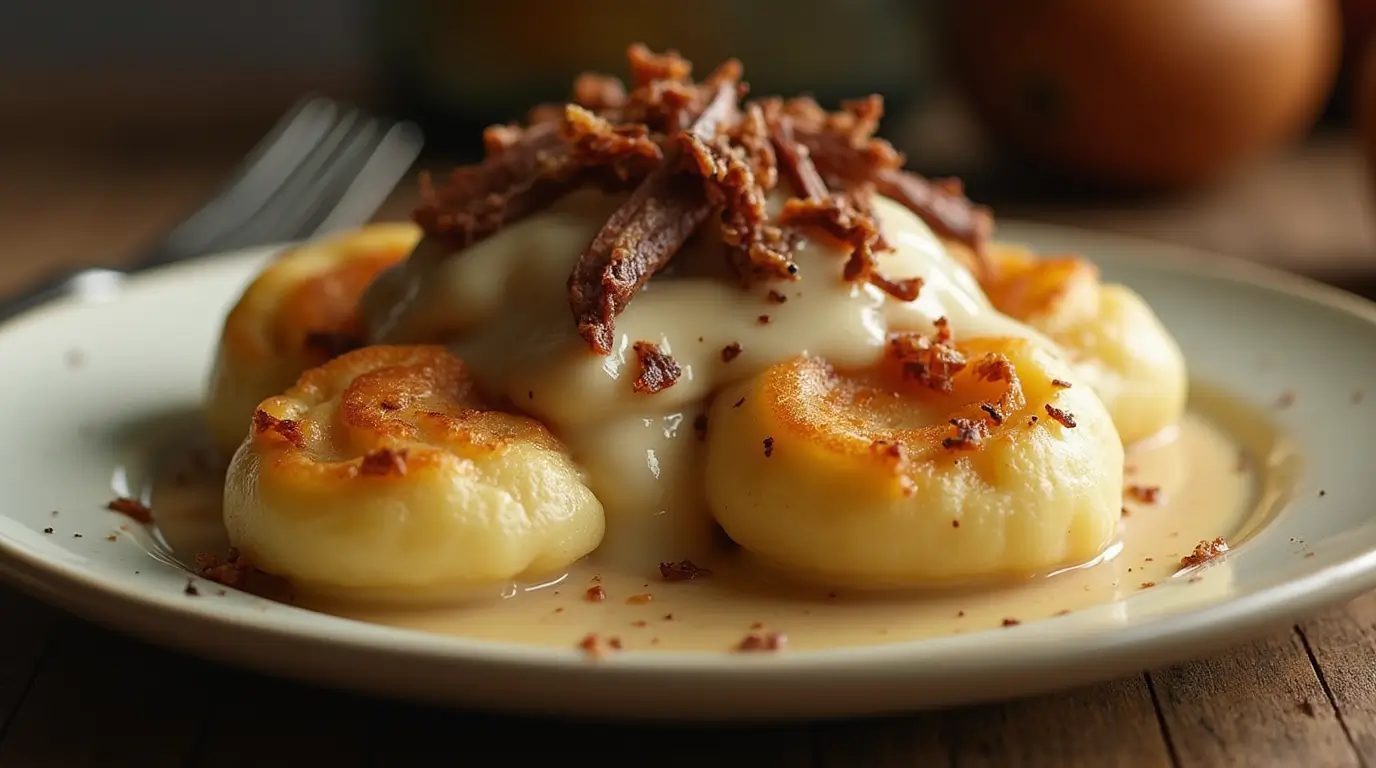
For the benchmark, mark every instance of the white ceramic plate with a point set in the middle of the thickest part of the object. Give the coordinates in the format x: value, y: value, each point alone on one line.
x: 79, y: 433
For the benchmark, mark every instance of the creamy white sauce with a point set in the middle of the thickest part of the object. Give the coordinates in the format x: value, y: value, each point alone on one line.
x: 502, y: 306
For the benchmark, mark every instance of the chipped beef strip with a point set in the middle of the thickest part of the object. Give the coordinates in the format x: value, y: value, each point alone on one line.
x: 688, y: 152
x: 846, y: 217
x: 525, y: 171
x: 643, y: 234
x: 843, y: 146
x: 736, y: 179
x: 797, y: 161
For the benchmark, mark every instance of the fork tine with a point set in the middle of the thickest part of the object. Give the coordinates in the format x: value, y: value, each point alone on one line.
x: 286, y: 187
x: 311, y: 196
x: 366, y: 190
x: 272, y: 220
x: 323, y: 189
x: 268, y: 164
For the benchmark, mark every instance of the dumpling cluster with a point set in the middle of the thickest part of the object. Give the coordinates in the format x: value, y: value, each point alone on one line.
x: 383, y: 471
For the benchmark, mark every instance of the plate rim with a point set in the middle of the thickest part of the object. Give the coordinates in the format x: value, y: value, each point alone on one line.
x: 74, y: 587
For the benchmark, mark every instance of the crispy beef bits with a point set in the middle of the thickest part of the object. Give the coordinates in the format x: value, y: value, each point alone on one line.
x: 692, y: 154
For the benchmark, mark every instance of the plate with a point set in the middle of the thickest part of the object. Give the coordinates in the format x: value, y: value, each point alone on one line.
x: 93, y: 377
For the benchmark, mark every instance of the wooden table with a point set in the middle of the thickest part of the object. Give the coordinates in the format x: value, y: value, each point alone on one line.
x: 72, y: 694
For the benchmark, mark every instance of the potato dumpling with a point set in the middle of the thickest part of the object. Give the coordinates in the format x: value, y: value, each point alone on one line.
x: 1109, y: 333
x: 1006, y: 467
x: 383, y: 473
x: 300, y: 311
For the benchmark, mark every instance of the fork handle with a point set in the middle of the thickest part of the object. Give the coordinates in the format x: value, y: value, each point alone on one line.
x: 72, y: 281
x: 86, y: 281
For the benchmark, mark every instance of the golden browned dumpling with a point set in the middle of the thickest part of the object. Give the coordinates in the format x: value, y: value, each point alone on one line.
x: 917, y: 471
x: 1109, y: 333
x: 299, y: 312
x: 383, y: 474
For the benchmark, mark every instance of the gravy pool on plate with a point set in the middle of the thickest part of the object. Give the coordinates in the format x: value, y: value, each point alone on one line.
x: 1213, y: 477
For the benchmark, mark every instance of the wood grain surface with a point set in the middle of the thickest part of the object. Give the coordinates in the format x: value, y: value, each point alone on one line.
x: 73, y: 695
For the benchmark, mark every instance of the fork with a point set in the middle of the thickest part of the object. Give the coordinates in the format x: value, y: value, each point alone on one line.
x: 323, y: 167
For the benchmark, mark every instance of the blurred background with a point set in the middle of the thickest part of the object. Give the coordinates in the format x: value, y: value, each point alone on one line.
x: 1233, y: 125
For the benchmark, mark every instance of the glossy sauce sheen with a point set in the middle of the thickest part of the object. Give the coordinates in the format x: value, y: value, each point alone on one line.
x: 1224, y: 473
